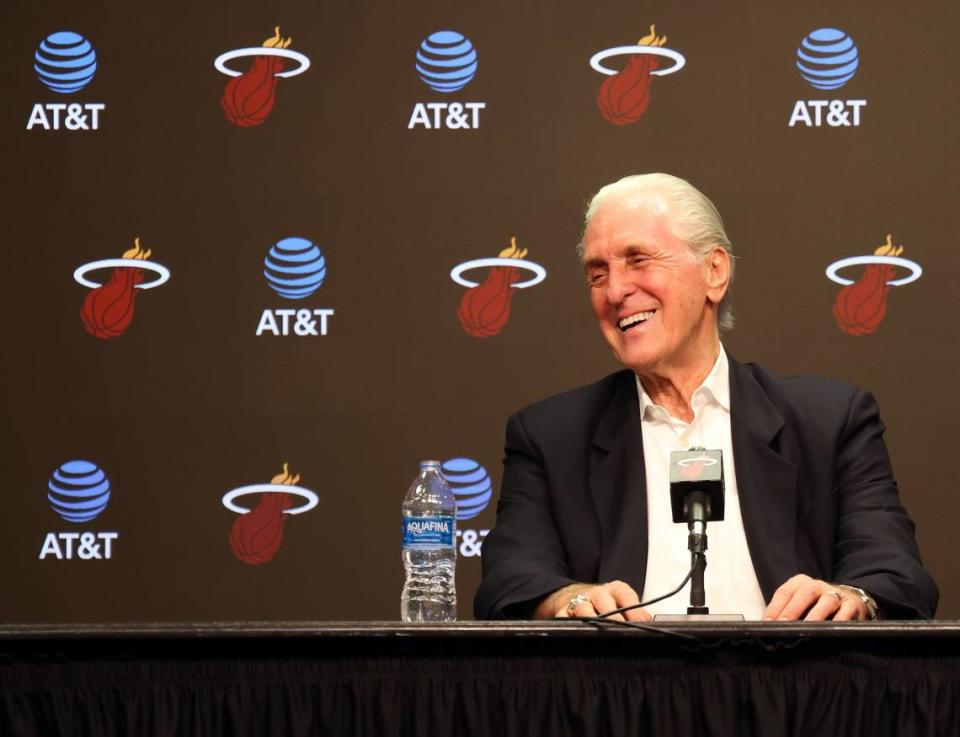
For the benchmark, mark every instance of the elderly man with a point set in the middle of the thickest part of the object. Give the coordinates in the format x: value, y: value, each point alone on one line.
x: 813, y: 528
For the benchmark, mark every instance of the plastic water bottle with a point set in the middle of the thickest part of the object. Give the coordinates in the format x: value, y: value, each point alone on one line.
x: 429, y: 550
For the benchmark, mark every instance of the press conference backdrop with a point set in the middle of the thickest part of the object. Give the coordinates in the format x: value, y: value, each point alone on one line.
x: 262, y: 258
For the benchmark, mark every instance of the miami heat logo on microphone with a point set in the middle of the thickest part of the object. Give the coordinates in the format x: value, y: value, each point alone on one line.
x: 861, y: 305
x: 257, y: 534
x: 108, y: 308
x: 485, y: 308
x: 250, y: 96
x: 625, y: 94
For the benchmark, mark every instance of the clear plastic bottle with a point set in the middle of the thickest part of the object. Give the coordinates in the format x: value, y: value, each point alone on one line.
x: 429, y: 548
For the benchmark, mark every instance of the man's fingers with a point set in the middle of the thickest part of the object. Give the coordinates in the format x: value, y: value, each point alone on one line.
x: 827, y: 605
x: 577, y: 604
x: 638, y: 615
x: 783, y: 595
x: 814, y: 600
x: 561, y: 600
x: 585, y: 609
x: 604, y: 602
x: 592, y: 601
x: 803, y: 598
x: 780, y: 598
x: 624, y: 594
x: 848, y: 611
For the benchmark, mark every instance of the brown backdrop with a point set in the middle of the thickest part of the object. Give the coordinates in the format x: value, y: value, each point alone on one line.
x: 189, y: 403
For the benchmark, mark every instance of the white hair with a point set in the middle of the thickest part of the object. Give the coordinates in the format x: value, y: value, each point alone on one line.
x: 696, y: 221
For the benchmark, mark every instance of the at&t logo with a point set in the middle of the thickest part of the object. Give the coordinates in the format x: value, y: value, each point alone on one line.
x: 295, y: 269
x: 446, y: 63
x: 65, y: 63
x: 473, y: 491
x: 827, y: 59
x: 78, y: 491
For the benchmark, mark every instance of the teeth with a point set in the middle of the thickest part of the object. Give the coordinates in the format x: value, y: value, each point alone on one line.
x: 634, y: 319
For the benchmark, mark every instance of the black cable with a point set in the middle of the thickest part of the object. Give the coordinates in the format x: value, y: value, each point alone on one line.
x: 621, y: 610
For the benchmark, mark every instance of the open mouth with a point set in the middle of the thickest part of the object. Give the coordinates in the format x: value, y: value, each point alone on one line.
x: 633, y: 320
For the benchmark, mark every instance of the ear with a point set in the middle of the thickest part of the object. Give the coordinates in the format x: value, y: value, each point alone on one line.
x: 718, y: 273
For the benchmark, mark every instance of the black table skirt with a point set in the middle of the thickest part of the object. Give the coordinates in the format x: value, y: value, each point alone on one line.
x: 488, y: 679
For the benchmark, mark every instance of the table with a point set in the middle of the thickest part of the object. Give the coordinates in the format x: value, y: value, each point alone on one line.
x: 485, y: 678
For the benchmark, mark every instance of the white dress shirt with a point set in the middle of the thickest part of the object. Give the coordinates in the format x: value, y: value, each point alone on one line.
x: 730, y: 581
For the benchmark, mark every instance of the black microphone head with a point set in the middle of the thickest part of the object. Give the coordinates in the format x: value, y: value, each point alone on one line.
x: 696, y: 470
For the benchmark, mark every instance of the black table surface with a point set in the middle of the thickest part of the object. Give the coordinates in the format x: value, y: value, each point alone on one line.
x: 561, y: 628
x: 503, y: 637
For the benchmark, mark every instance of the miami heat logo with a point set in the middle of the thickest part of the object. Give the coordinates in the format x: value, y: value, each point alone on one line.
x: 108, y: 308
x: 485, y: 308
x: 249, y: 97
x: 625, y: 94
x: 692, y: 468
x: 257, y: 534
x: 861, y: 305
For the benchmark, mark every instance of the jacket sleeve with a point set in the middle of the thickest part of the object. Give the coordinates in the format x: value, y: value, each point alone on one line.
x: 523, y: 557
x: 875, y: 545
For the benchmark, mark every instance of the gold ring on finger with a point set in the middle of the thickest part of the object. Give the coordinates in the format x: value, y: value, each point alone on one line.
x: 574, y: 603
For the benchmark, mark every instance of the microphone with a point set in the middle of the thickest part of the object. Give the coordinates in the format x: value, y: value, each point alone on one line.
x: 692, y: 471
x: 696, y: 497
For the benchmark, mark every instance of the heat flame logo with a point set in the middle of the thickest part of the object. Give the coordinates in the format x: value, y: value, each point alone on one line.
x: 485, y: 308
x: 625, y: 94
x: 249, y: 97
x: 108, y: 308
x: 861, y: 306
x: 257, y: 534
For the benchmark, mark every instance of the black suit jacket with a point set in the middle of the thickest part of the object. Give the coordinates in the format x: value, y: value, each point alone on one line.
x: 816, y: 489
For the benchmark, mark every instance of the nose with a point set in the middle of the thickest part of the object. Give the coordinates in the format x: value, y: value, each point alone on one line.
x: 619, y: 285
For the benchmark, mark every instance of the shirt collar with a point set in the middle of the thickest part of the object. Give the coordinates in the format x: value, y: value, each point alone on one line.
x: 716, y: 387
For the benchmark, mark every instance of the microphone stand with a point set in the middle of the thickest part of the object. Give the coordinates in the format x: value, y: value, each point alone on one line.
x: 697, y: 508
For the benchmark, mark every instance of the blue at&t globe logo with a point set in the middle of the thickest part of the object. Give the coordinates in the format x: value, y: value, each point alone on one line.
x: 79, y: 491
x: 295, y: 268
x: 470, y: 484
x: 446, y: 61
x: 827, y: 58
x: 65, y: 62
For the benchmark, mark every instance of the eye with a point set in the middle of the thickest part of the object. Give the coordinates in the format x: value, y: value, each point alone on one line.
x: 636, y: 259
x: 596, y: 277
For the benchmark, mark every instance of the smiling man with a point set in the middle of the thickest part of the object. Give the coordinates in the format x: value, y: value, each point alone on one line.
x: 813, y: 529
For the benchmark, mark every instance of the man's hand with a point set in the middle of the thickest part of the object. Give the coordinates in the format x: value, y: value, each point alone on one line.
x: 593, y: 599
x: 823, y: 600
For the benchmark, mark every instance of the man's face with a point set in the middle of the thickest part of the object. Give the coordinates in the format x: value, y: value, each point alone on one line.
x: 651, y: 294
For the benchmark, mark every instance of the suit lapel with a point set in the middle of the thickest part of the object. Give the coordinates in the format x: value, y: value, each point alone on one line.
x: 618, y: 486
x: 766, y: 482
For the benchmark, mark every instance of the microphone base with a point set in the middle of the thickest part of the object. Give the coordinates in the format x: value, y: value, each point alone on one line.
x: 657, y: 618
